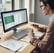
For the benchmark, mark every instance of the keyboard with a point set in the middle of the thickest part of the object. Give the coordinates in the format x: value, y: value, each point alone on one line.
x: 21, y: 33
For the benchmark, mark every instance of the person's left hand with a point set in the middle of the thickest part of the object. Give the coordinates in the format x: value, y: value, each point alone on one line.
x: 30, y: 33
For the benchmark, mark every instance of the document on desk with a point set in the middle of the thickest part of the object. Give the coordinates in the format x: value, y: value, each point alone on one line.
x: 24, y: 45
x: 38, y: 34
x: 14, y: 45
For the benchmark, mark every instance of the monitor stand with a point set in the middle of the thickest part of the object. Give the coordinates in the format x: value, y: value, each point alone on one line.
x: 17, y: 30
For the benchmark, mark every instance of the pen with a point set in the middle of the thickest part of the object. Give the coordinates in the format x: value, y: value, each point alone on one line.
x: 20, y: 47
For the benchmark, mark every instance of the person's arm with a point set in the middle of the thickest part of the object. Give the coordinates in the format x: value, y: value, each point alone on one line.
x: 33, y: 39
x: 41, y: 29
x: 49, y: 35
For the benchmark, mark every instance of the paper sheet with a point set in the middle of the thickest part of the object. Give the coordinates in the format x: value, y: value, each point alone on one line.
x: 38, y: 34
x: 24, y: 45
x: 13, y: 44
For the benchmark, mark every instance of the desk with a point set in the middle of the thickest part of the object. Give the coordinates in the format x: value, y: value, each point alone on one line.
x: 27, y: 49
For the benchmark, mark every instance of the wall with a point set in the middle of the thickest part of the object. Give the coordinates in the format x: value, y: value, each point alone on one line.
x: 16, y: 4
x: 31, y: 10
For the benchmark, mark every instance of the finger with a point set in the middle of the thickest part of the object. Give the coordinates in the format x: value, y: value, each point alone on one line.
x: 33, y: 40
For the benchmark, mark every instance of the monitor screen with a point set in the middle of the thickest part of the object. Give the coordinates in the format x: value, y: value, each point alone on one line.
x: 11, y: 19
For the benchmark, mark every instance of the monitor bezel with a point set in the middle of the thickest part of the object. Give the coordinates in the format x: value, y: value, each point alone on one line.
x: 6, y: 30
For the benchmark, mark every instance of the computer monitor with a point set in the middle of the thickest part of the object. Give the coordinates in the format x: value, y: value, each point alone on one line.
x: 12, y: 19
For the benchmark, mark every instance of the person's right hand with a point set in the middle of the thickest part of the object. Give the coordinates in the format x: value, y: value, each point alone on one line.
x: 34, y: 41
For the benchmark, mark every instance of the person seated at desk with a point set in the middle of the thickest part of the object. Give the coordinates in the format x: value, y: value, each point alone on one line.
x: 46, y: 44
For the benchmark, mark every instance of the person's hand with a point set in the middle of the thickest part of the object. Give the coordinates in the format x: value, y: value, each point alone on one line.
x: 30, y: 33
x: 35, y: 26
x: 42, y: 44
x: 34, y: 41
